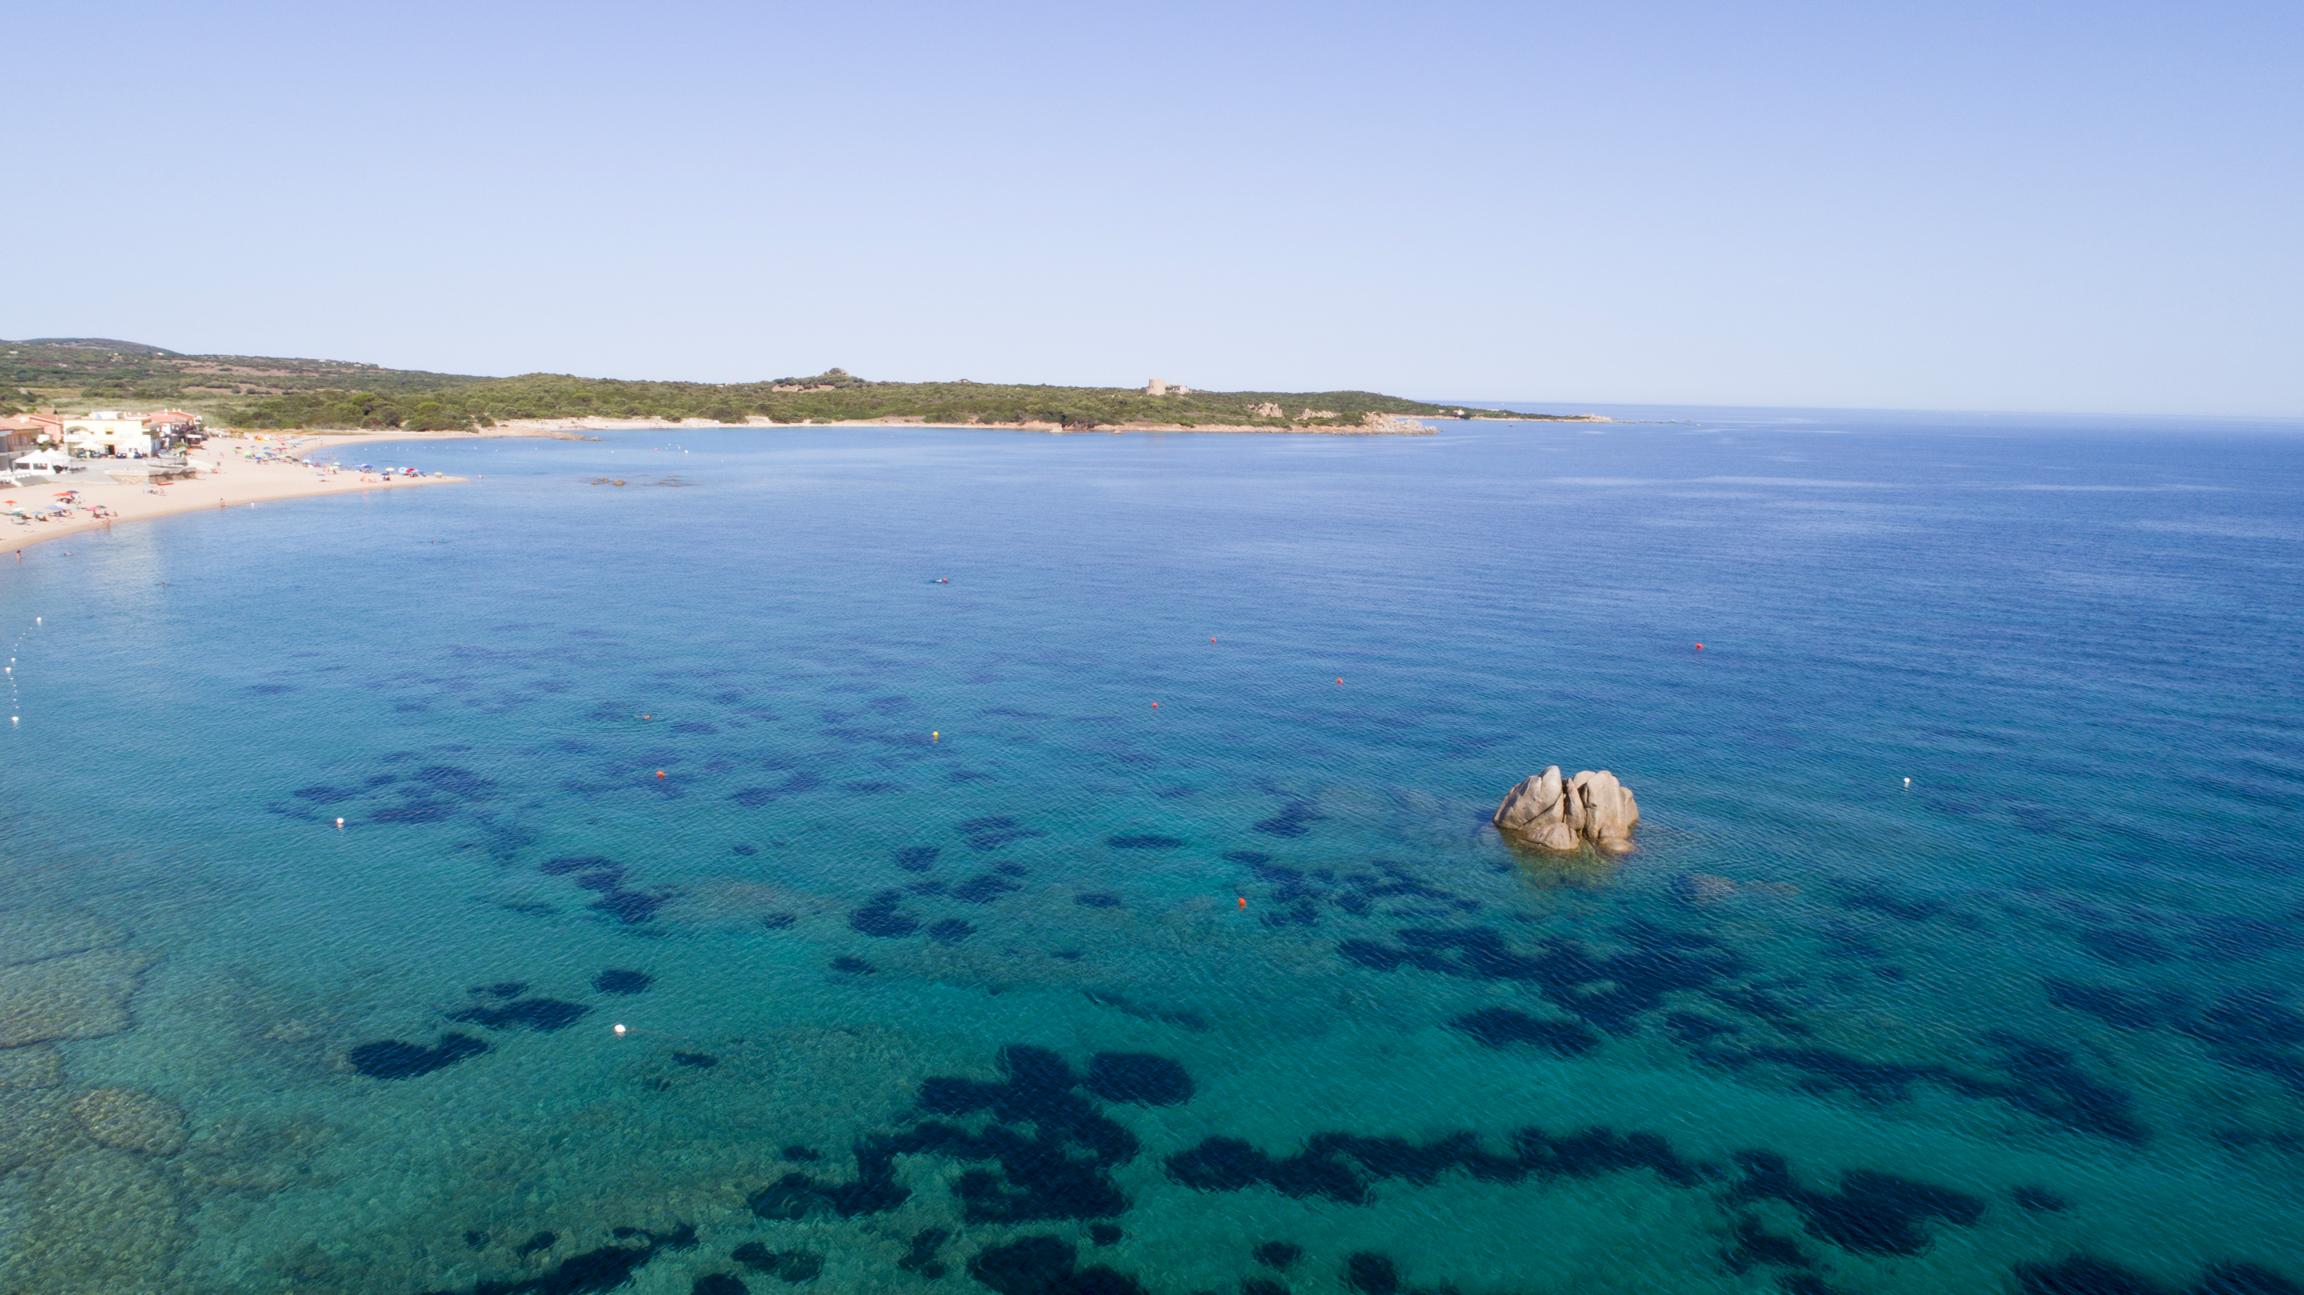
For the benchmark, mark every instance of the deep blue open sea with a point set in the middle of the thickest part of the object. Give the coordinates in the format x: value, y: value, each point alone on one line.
x: 929, y: 947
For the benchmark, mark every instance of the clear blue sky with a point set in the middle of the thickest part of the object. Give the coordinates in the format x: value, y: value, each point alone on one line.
x: 2014, y: 206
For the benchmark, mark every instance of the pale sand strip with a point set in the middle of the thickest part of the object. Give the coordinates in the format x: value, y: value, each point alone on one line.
x: 240, y: 483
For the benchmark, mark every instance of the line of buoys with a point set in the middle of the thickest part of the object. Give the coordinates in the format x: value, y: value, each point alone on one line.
x: 15, y: 693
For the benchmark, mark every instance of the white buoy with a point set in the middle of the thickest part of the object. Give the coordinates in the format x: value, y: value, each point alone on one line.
x: 1907, y: 780
x: 339, y: 824
x: 619, y: 1028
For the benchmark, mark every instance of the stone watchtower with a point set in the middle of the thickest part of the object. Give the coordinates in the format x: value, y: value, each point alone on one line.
x: 1156, y: 387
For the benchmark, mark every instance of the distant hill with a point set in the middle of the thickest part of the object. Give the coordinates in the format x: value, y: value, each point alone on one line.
x: 273, y: 392
x: 96, y: 344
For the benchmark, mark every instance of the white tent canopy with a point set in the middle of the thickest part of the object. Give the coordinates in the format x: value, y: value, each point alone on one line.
x: 51, y: 460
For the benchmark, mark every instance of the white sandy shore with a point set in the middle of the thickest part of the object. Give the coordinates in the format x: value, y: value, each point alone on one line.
x: 237, y: 481
x: 234, y: 482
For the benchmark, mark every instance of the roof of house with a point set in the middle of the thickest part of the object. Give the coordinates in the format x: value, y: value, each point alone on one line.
x: 170, y: 416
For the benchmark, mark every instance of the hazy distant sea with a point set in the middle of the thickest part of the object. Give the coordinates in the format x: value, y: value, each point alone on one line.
x: 928, y: 942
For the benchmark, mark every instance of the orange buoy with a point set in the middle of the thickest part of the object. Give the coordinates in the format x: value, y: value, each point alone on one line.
x: 1211, y: 638
x: 1155, y: 705
x: 1339, y: 681
x: 1243, y: 901
x: 1699, y: 647
x: 659, y: 775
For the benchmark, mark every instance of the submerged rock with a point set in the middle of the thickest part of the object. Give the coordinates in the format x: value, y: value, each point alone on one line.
x: 76, y: 996
x: 36, y: 1127
x: 94, y: 1221
x: 132, y: 1120
x: 31, y: 935
x: 1567, y: 814
x: 40, y: 1066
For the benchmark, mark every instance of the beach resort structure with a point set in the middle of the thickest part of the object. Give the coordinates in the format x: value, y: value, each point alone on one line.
x: 51, y: 493
x: 99, y: 433
x: 24, y: 433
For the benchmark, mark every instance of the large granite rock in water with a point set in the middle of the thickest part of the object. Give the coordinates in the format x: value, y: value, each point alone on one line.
x: 1558, y: 813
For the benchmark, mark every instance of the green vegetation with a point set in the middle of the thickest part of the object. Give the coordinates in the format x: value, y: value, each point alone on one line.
x: 101, y: 371
x: 262, y: 392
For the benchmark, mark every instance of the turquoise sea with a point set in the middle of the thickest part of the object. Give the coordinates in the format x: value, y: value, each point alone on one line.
x: 928, y: 946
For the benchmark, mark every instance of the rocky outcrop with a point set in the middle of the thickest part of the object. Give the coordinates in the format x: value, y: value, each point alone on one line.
x: 1557, y: 813
x: 1394, y: 425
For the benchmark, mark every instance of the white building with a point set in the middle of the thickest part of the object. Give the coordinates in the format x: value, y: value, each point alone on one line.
x: 108, y: 431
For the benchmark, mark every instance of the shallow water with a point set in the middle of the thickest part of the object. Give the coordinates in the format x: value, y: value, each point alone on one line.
x: 983, y: 1009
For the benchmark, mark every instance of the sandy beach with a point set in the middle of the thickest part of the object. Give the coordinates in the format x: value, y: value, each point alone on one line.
x: 230, y: 477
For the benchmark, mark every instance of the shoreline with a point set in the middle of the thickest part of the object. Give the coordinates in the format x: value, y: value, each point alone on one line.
x: 234, y: 483
x: 574, y: 428
x: 237, y: 481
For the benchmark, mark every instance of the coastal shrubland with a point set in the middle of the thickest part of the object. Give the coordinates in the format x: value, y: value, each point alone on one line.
x: 266, y: 392
x: 540, y: 396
